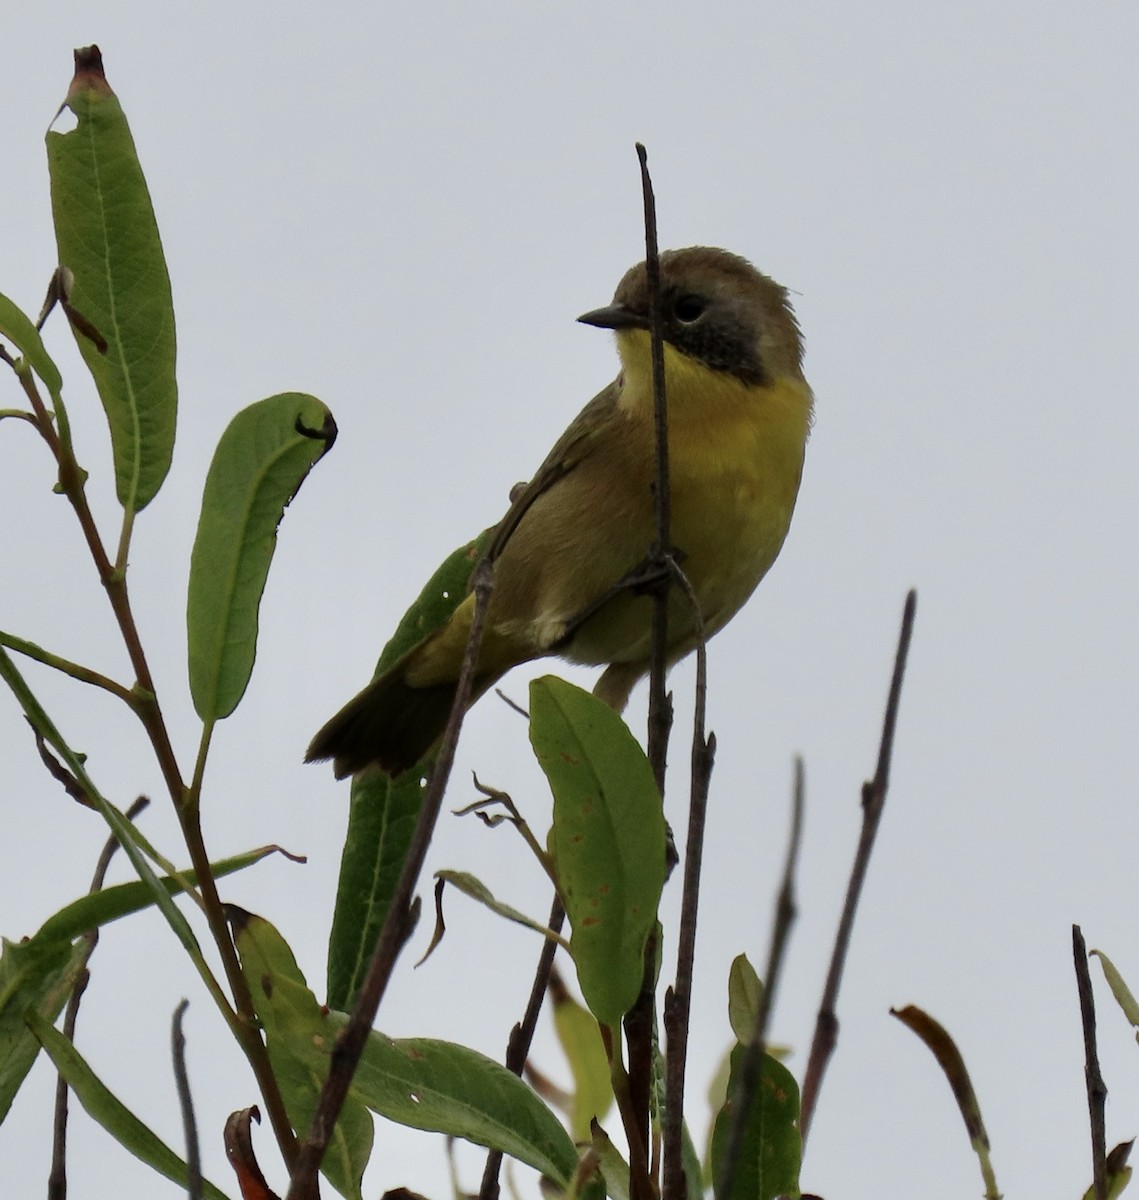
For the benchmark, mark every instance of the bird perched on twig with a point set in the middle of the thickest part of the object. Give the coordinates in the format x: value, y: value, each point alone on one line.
x: 739, y: 413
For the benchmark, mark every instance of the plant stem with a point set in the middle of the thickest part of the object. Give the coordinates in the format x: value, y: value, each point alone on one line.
x: 678, y: 1000
x: 400, y: 918
x: 752, y: 1067
x: 57, y: 1180
x: 1097, y: 1089
x: 518, y: 1044
x: 67, y: 667
x: 145, y: 704
x: 873, y: 804
x: 186, y: 1103
x: 640, y: 1019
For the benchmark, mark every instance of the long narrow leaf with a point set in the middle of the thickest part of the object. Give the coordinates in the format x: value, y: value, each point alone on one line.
x: 1124, y: 997
x: 293, y: 1021
x: 607, y: 839
x: 108, y: 238
x: 418, y: 1082
x: 120, y: 826
x: 580, y: 1038
x: 474, y: 887
x: 452, y: 1089
x: 110, y: 1112
x: 109, y: 904
x: 941, y: 1044
x: 17, y: 328
x: 36, y: 977
x: 261, y: 461
x: 382, y: 815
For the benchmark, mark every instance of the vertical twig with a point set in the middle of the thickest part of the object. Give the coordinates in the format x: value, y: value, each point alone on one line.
x: 72, y: 482
x: 785, y: 913
x: 873, y: 803
x: 1097, y: 1089
x: 186, y: 1103
x: 678, y: 1000
x: 660, y: 710
x: 399, y: 921
x: 57, y: 1179
x: 786, y: 908
x: 518, y: 1045
x: 639, y: 1020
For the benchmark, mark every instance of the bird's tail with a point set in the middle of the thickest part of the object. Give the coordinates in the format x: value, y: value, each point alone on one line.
x: 390, y: 723
x: 402, y: 713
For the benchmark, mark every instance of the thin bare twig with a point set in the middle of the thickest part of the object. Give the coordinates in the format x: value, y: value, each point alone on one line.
x: 398, y: 922
x: 75, y: 670
x: 521, y: 1036
x: 660, y: 710
x: 186, y: 1103
x: 511, y: 703
x: 72, y: 482
x: 678, y: 1001
x: 1097, y: 1089
x: 785, y: 913
x: 144, y: 703
x: 70, y: 784
x: 640, y: 1019
x: 786, y: 908
x: 873, y: 803
x: 57, y: 1179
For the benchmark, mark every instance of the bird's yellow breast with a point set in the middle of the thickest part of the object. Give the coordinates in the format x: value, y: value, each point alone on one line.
x: 735, y: 461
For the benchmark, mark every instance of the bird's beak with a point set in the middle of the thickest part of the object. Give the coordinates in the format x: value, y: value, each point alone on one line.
x: 615, y: 316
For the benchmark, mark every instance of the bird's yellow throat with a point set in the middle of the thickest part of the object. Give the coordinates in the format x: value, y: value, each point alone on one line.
x: 717, y: 423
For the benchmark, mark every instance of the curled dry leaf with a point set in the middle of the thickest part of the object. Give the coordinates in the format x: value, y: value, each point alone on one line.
x: 239, y: 1151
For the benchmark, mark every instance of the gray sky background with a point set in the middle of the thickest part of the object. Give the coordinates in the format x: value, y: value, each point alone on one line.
x: 402, y: 208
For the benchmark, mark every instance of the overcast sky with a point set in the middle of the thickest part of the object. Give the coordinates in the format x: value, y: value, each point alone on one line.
x: 402, y: 208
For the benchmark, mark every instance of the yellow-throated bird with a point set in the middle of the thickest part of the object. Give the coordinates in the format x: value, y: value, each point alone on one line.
x: 739, y: 412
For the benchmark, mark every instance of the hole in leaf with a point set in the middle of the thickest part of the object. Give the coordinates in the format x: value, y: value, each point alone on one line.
x: 65, y: 121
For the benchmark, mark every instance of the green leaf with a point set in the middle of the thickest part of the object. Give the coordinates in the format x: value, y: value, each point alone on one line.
x: 22, y: 333
x: 1119, y: 989
x: 607, y: 839
x: 382, y: 815
x: 771, y: 1148
x: 260, y: 463
x: 473, y: 887
x: 745, y: 995
x: 35, y: 977
x: 110, y: 1112
x: 294, y: 1024
x: 417, y: 1082
x: 108, y: 238
x: 1117, y: 1171
x: 123, y: 829
x: 580, y: 1039
x: 451, y: 1089
x: 109, y: 904
x: 381, y: 821
x: 693, y: 1170
x: 614, y: 1169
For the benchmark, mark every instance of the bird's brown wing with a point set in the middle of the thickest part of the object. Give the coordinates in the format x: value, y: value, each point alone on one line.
x: 590, y: 425
x: 394, y: 724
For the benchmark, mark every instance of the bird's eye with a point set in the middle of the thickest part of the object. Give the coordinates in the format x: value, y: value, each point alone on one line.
x: 689, y: 308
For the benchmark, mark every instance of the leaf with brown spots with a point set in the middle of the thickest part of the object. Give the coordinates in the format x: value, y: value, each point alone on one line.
x: 607, y: 839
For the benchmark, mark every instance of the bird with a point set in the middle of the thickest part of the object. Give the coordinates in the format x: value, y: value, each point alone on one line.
x: 739, y: 415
